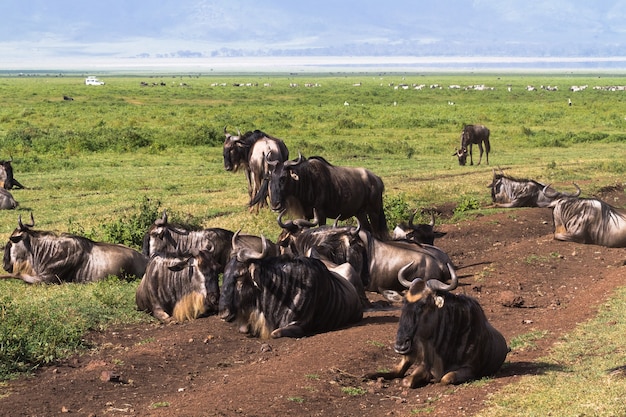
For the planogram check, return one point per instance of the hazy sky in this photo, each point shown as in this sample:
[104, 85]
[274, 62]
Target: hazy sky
[39, 30]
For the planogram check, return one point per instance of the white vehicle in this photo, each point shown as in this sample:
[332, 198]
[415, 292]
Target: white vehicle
[91, 80]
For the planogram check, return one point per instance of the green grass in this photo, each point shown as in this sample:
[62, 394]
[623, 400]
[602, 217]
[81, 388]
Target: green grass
[106, 163]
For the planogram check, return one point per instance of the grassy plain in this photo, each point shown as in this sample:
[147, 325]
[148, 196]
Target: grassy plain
[91, 162]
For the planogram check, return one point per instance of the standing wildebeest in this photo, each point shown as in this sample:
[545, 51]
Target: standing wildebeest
[179, 288]
[251, 151]
[166, 238]
[7, 202]
[334, 192]
[419, 233]
[7, 181]
[285, 296]
[447, 336]
[588, 220]
[511, 192]
[39, 256]
[473, 135]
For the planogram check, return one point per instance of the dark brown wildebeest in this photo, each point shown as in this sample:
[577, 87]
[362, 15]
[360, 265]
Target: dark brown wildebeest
[179, 288]
[302, 185]
[473, 135]
[588, 220]
[251, 151]
[447, 336]
[511, 192]
[285, 296]
[419, 233]
[7, 181]
[39, 256]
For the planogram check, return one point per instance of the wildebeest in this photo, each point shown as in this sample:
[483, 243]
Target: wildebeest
[7, 202]
[334, 192]
[7, 181]
[166, 238]
[285, 296]
[588, 220]
[68, 98]
[251, 151]
[446, 335]
[40, 256]
[473, 135]
[511, 192]
[181, 287]
[420, 233]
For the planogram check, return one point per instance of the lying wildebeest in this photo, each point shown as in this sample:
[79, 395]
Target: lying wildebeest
[285, 296]
[179, 288]
[508, 192]
[166, 238]
[40, 256]
[303, 185]
[446, 335]
[473, 135]
[7, 181]
[419, 233]
[7, 202]
[588, 220]
[251, 151]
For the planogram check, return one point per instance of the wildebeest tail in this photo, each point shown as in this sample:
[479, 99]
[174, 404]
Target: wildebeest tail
[261, 195]
[190, 307]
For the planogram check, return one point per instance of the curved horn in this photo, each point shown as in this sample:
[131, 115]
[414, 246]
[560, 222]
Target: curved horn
[358, 228]
[248, 254]
[549, 194]
[401, 279]
[577, 193]
[306, 223]
[163, 220]
[294, 163]
[289, 225]
[434, 284]
[270, 162]
[432, 219]
[411, 217]
[23, 226]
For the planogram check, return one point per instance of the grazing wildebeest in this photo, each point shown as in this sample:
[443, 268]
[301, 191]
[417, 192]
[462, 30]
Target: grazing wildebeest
[7, 181]
[588, 220]
[473, 135]
[285, 296]
[40, 256]
[181, 287]
[68, 98]
[166, 238]
[334, 192]
[7, 202]
[251, 151]
[511, 192]
[446, 335]
[419, 233]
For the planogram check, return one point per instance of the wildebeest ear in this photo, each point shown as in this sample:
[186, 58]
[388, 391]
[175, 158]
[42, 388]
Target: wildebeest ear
[392, 296]
[294, 175]
[416, 292]
[178, 266]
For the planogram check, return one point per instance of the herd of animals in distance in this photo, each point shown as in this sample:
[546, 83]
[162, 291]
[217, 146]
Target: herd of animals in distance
[315, 277]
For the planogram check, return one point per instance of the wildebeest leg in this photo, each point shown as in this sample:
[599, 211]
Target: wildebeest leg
[480, 148]
[397, 372]
[458, 376]
[420, 376]
[290, 330]
[470, 152]
[161, 315]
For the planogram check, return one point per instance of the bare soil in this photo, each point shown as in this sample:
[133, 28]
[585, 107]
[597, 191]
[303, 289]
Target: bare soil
[525, 280]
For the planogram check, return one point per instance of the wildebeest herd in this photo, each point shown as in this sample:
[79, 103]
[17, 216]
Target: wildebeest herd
[314, 277]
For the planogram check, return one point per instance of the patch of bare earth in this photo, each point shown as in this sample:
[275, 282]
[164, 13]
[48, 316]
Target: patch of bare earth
[526, 282]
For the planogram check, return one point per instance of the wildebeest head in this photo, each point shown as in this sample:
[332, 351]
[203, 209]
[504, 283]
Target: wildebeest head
[159, 237]
[283, 181]
[18, 251]
[235, 152]
[420, 299]
[461, 154]
[291, 229]
[419, 233]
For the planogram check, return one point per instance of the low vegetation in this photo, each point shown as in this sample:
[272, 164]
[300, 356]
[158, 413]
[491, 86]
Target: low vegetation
[106, 164]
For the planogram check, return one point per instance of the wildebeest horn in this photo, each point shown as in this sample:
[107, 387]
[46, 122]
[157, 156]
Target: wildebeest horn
[432, 218]
[289, 225]
[23, 226]
[294, 163]
[434, 284]
[358, 228]
[577, 193]
[247, 254]
[405, 282]
[163, 220]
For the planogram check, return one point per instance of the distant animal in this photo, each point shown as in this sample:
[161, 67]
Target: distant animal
[473, 135]
[180, 287]
[420, 233]
[508, 192]
[285, 296]
[7, 202]
[165, 238]
[68, 98]
[7, 180]
[588, 220]
[447, 336]
[251, 151]
[44, 257]
[335, 192]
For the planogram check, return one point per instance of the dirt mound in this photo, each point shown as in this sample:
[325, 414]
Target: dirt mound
[524, 279]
